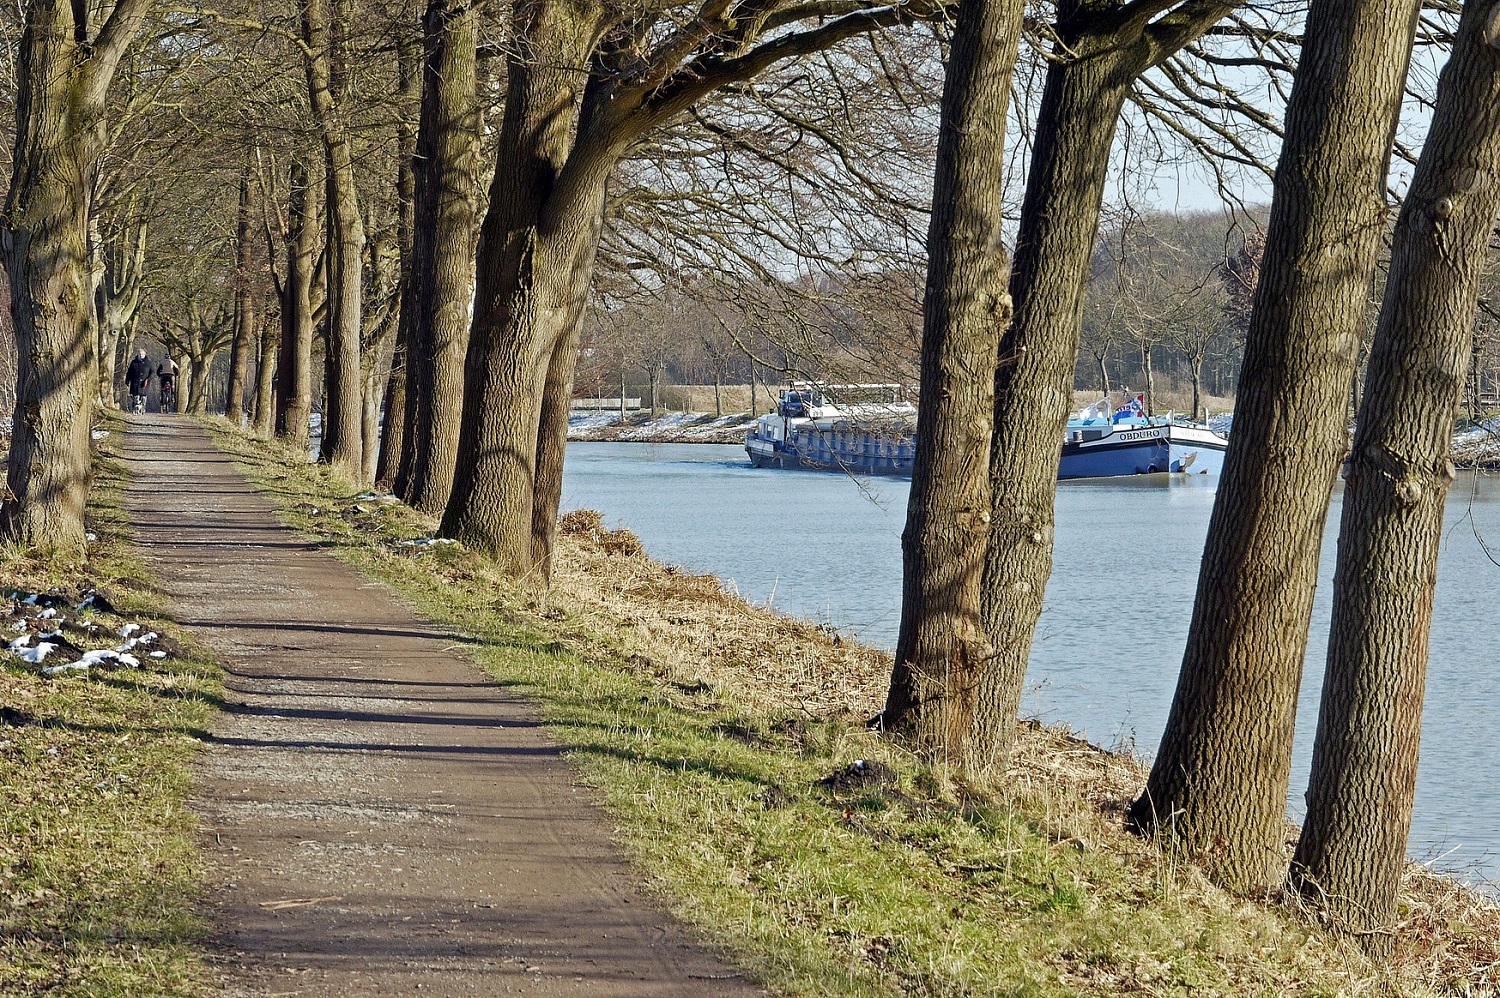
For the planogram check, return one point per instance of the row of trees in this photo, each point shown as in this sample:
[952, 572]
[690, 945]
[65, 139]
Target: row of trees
[999, 348]
[437, 191]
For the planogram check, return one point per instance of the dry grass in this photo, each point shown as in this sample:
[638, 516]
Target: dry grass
[691, 631]
[722, 738]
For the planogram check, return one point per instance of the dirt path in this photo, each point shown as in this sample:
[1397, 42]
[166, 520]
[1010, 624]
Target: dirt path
[379, 818]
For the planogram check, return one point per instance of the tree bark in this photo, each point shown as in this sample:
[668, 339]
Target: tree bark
[343, 438]
[1219, 783]
[120, 299]
[1364, 772]
[409, 68]
[244, 312]
[942, 647]
[442, 278]
[535, 260]
[264, 419]
[64, 70]
[294, 362]
[1101, 52]
[378, 347]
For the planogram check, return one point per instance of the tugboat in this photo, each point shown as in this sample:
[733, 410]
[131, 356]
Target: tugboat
[860, 429]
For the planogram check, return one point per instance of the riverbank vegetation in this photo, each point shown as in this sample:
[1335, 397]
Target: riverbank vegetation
[99, 871]
[731, 747]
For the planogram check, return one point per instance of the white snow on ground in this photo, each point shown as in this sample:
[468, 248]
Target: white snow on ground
[1478, 443]
[670, 427]
[21, 646]
[38, 654]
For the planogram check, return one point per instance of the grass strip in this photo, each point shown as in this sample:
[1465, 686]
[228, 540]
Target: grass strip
[99, 874]
[728, 746]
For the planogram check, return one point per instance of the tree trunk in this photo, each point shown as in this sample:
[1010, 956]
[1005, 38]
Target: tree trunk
[443, 254]
[1196, 363]
[63, 72]
[196, 389]
[1219, 783]
[378, 348]
[1150, 373]
[265, 378]
[718, 395]
[1103, 378]
[343, 439]
[942, 647]
[1099, 57]
[294, 362]
[535, 261]
[496, 478]
[244, 312]
[120, 294]
[552, 442]
[1364, 773]
[409, 63]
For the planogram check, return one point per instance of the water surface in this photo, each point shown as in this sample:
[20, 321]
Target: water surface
[828, 547]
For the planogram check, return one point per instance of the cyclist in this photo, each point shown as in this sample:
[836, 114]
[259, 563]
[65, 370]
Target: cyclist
[137, 377]
[166, 373]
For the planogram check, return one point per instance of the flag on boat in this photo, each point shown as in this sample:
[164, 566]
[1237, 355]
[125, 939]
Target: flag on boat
[1134, 408]
[1099, 410]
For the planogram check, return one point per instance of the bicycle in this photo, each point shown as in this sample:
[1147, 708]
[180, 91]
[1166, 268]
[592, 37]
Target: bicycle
[169, 397]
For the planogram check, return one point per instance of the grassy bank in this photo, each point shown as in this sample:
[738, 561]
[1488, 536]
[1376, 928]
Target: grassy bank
[98, 872]
[729, 745]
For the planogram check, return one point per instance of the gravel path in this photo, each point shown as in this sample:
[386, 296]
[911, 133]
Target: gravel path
[378, 817]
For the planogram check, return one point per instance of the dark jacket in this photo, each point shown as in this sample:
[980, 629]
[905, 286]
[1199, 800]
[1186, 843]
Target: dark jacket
[138, 375]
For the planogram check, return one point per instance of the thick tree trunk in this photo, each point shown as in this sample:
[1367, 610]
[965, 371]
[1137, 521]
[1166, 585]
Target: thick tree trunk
[244, 313]
[1219, 783]
[1081, 105]
[942, 647]
[1101, 53]
[443, 255]
[343, 438]
[535, 262]
[294, 362]
[196, 389]
[63, 70]
[1364, 774]
[494, 506]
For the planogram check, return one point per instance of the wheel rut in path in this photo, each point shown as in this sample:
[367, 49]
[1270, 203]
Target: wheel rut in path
[379, 818]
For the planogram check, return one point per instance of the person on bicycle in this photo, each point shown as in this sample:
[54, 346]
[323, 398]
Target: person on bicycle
[137, 377]
[166, 373]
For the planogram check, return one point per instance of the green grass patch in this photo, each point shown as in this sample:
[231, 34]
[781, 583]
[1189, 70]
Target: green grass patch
[824, 859]
[99, 874]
